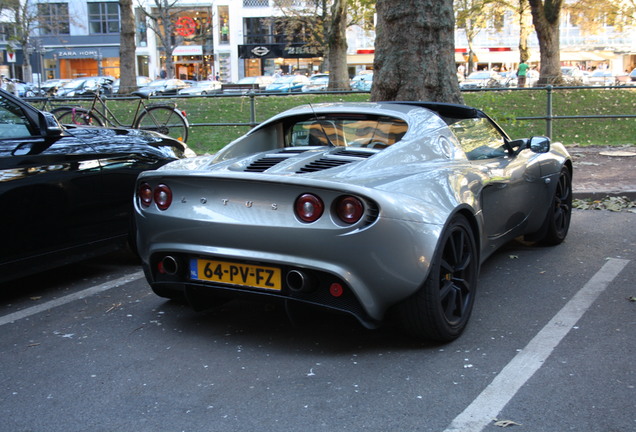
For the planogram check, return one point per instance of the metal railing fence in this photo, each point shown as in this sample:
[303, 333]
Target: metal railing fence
[209, 112]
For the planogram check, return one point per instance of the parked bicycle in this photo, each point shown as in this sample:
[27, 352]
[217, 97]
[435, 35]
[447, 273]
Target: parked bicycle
[160, 117]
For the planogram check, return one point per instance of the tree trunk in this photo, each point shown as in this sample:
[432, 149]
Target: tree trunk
[415, 51]
[545, 17]
[337, 42]
[524, 31]
[128, 75]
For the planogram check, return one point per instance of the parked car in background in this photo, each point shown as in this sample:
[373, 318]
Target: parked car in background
[27, 90]
[202, 88]
[252, 83]
[141, 82]
[378, 210]
[572, 75]
[362, 82]
[482, 79]
[602, 77]
[163, 87]
[66, 192]
[318, 82]
[49, 87]
[287, 84]
[87, 86]
[632, 75]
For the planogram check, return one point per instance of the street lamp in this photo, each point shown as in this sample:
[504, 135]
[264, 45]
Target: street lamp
[99, 58]
[38, 49]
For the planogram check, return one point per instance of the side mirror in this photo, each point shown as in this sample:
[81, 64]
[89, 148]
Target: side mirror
[539, 144]
[49, 125]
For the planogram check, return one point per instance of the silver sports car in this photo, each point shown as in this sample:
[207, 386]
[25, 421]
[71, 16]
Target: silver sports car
[365, 208]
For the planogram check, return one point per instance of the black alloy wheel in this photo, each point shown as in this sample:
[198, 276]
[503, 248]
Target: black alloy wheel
[440, 310]
[560, 212]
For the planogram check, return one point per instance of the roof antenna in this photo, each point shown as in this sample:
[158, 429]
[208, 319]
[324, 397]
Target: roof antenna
[324, 132]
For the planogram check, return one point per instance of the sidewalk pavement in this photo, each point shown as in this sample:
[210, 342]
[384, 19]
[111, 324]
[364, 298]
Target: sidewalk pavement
[604, 171]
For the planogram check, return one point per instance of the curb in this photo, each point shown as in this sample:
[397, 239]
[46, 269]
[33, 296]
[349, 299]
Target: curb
[598, 194]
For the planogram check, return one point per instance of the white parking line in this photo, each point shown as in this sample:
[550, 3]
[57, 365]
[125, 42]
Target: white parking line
[507, 383]
[7, 319]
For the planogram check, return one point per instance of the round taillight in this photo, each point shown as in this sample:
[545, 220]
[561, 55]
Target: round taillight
[145, 194]
[163, 196]
[309, 208]
[349, 209]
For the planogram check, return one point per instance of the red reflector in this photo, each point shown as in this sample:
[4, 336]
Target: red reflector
[336, 289]
[163, 196]
[309, 208]
[145, 194]
[160, 267]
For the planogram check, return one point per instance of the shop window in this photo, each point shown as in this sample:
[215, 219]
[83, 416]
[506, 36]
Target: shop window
[224, 25]
[103, 18]
[53, 18]
[141, 29]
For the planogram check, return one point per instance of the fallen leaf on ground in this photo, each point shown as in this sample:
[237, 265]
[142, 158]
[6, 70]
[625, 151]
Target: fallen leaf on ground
[506, 423]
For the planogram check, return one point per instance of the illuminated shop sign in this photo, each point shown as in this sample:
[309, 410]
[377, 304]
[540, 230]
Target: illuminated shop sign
[279, 50]
[77, 53]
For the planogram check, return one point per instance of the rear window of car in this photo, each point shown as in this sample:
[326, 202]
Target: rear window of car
[347, 131]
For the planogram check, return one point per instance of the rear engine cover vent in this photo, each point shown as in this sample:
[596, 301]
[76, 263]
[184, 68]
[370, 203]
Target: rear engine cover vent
[322, 164]
[354, 153]
[263, 164]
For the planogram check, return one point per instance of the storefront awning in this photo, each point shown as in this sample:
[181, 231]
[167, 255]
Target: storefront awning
[360, 59]
[585, 56]
[188, 50]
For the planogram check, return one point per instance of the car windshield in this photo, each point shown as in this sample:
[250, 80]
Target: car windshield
[346, 131]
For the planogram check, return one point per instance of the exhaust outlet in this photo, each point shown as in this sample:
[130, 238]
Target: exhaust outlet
[170, 265]
[299, 281]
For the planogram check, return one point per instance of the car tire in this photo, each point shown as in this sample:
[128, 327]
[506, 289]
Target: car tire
[557, 222]
[439, 311]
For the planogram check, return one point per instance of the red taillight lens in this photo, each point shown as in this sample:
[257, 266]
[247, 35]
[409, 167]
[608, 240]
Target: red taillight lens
[349, 209]
[309, 208]
[163, 196]
[145, 194]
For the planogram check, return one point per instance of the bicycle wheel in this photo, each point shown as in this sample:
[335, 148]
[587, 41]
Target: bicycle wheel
[166, 120]
[76, 116]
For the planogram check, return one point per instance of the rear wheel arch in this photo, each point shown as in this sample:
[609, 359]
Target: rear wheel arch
[442, 306]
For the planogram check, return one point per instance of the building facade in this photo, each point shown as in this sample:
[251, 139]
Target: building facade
[232, 39]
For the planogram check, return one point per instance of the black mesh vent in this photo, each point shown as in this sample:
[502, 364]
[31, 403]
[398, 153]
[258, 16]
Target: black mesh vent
[293, 150]
[265, 163]
[322, 164]
[354, 153]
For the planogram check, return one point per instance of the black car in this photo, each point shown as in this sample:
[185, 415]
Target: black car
[66, 192]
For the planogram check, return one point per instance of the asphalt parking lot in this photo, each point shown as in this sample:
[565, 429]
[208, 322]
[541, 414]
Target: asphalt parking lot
[549, 348]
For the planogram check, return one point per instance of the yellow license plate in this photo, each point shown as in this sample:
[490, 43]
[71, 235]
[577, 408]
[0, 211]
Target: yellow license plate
[236, 274]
